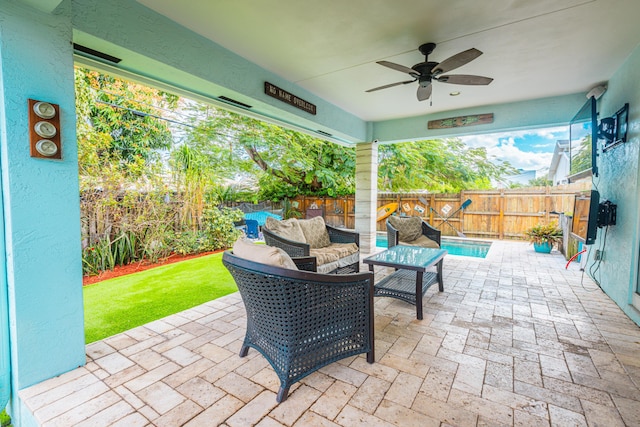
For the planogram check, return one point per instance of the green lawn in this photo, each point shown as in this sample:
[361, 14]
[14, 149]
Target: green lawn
[122, 303]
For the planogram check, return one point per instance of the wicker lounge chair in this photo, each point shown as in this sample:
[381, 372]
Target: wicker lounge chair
[339, 254]
[301, 321]
[416, 233]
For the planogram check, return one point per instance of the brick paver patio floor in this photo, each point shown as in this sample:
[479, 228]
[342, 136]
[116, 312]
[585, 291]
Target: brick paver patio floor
[514, 340]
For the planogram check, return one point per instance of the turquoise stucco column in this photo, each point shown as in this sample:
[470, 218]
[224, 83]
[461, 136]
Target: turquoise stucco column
[366, 194]
[40, 202]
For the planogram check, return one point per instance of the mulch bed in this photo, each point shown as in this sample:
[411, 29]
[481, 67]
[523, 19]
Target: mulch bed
[139, 266]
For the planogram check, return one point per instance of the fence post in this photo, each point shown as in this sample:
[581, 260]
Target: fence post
[462, 200]
[501, 217]
[345, 214]
[432, 199]
[547, 203]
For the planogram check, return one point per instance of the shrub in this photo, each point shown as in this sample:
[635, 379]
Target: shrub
[542, 233]
[218, 226]
[189, 242]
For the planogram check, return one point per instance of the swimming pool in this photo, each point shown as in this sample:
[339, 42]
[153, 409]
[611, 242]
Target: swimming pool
[472, 248]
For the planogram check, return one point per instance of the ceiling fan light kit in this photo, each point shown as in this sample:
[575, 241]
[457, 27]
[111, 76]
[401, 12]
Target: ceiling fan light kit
[428, 71]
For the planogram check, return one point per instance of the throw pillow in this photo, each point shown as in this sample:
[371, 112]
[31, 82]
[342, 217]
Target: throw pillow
[315, 232]
[287, 228]
[263, 254]
[409, 228]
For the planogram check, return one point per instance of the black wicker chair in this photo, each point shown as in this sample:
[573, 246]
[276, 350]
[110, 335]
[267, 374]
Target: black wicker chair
[300, 249]
[427, 230]
[301, 321]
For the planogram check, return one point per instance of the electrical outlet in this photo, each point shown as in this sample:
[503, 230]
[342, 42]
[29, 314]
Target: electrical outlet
[599, 255]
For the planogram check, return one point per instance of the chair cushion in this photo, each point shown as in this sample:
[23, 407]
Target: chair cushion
[333, 252]
[263, 254]
[409, 228]
[422, 241]
[287, 228]
[323, 257]
[315, 232]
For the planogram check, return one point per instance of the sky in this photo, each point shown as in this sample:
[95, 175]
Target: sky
[528, 150]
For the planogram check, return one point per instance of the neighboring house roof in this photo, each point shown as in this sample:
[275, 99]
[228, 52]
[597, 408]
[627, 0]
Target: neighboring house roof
[562, 147]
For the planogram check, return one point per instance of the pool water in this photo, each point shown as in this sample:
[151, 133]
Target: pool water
[472, 248]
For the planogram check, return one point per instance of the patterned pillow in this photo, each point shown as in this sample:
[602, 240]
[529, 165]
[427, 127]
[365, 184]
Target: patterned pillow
[263, 254]
[288, 229]
[409, 228]
[315, 232]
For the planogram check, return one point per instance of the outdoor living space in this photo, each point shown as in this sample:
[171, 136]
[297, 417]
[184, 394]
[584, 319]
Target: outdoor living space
[515, 339]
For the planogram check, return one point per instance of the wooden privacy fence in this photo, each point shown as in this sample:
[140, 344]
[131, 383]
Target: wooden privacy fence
[496, 214]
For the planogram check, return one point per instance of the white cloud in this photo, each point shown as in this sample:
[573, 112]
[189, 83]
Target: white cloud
[528, 150]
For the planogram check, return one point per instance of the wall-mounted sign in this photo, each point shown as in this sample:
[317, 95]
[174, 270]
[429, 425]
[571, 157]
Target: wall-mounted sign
[456, 122]
[289, 98]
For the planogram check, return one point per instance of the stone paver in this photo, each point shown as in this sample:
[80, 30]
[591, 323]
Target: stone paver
[515, 339]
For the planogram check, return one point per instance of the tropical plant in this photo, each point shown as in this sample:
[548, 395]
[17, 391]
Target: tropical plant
[192, 178]
[288, 211]
[543, 233]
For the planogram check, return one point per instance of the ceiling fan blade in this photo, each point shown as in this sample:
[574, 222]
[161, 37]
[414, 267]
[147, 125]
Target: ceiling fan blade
[464, 79]
[390, 85]
[424, 92]
[398, 67]
[457, 60]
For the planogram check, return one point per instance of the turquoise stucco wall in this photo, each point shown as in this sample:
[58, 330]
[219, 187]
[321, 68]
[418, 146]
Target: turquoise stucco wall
[40, 201]
[618, 181]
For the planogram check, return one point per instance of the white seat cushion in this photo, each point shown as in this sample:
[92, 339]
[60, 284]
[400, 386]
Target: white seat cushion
[263, 254]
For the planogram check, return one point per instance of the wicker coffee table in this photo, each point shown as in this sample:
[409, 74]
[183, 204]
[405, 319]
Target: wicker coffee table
[411, 279]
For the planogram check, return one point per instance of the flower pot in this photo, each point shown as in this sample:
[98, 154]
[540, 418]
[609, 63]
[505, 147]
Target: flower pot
[544, 247]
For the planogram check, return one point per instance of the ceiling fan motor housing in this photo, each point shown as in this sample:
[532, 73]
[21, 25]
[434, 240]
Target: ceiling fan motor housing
[424, 68]
[424, 81]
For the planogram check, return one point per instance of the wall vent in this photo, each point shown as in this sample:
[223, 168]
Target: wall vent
[95, 53]
[234, 102]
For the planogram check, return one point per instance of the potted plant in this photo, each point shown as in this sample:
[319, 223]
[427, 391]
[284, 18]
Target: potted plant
[544, 236]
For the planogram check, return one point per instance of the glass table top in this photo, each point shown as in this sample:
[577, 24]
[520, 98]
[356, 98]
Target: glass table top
[407, 256]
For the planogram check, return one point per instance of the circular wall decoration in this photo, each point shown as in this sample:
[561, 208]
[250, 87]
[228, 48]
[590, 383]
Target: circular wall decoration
[45, 129]
[46, 147]
[44, 110]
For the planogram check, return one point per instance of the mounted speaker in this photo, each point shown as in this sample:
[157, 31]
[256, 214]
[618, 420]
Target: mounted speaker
[597, 91]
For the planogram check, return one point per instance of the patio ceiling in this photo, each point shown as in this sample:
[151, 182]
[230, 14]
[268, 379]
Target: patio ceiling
[532, 49]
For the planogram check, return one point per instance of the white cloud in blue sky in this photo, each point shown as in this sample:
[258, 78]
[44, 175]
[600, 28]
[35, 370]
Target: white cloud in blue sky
[529, 149]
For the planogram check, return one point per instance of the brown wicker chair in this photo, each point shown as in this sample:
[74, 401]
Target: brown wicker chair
[393, 237]
[300, 249]
[301, 321]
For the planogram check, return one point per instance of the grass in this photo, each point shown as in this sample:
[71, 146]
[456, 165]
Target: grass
[122, 303]
[5, 419]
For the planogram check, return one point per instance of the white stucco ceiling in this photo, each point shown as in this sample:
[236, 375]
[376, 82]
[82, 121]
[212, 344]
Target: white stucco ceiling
[532, 49]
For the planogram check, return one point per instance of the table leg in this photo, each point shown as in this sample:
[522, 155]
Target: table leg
[440, 281]
[419, 295]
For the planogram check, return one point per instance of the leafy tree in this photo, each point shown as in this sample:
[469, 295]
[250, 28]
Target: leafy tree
[582, 159]
[540, 182]
[287, 163]
[444, 166]
[118, 125]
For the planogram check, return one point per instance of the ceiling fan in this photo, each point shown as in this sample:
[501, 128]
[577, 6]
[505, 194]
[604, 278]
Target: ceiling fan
[428, 71]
